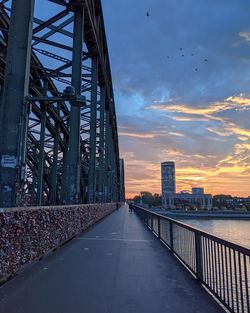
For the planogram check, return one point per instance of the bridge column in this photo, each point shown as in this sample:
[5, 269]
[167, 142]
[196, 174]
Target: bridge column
[63, 194]
[101, 146]
[107, 157]
[53, 190]
[73, 169]
[14, 113]
[93, 118]
[112, 182]
[39, 197]
[105, 163]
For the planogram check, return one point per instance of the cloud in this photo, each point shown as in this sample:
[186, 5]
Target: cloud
[245, 36]
[134, 135]
[176, 134]
[242, 100]
[231, 103]
[188, 119]
[237, 130]
[182, 108]
[219, 132]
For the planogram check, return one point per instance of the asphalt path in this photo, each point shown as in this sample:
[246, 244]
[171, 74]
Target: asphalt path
[118, 266]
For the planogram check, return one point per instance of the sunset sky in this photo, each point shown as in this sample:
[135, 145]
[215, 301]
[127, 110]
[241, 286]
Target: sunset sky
[182, 87]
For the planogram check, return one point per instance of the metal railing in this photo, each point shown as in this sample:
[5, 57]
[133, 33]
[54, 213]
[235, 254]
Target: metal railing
[221, 266]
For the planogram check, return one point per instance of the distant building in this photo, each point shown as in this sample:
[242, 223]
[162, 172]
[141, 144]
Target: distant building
[167, 183]
[228, 202]
[195, 200]
[197, 191]
[171, 200]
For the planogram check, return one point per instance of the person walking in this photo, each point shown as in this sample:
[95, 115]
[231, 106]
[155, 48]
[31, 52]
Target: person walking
[130, 207]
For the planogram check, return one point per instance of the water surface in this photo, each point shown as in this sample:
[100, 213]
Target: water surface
[237, 231]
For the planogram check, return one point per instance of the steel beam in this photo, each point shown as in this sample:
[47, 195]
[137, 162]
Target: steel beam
[41, 158]
[73, 140]
[101, 145]
[64, 174]
[73, 179]
[13, 123]
[112, 180]
[54, 170]
[93, 118]
[108, 157]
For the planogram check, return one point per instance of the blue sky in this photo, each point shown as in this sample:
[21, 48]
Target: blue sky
[181, 79]
[182, 87]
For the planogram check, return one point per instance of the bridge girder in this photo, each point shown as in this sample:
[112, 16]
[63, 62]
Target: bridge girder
[65, 148]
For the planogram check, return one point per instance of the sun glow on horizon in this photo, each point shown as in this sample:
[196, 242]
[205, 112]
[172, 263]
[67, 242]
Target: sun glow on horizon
[213, 153]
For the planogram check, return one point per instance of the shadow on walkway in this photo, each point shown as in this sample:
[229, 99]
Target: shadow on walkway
[118, 266]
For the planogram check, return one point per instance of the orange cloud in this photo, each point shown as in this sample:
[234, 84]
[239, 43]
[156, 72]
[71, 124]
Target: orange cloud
[216, 171]
[134, 135]
[234, 102]
[182, 108]
[229, 176]
[237, 130]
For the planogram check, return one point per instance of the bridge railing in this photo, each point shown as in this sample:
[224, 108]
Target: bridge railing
[221, 266]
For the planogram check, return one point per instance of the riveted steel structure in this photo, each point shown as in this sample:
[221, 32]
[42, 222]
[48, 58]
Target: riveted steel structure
[58, 130]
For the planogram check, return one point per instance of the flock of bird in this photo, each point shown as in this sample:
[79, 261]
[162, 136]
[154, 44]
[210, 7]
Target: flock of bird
[192, 55]
[183, 55]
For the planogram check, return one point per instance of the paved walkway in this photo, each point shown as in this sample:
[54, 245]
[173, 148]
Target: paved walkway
[118, 266]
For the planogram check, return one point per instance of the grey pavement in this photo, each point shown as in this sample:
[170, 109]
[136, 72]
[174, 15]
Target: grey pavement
[118, 266]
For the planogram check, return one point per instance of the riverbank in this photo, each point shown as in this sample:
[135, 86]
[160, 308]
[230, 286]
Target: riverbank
[180, 214]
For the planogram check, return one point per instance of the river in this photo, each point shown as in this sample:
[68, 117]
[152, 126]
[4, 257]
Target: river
[237, 231]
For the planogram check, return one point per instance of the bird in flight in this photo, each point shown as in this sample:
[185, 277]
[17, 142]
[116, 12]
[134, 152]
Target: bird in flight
[147, 14]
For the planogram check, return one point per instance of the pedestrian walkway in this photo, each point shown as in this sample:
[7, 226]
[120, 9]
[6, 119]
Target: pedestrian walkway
[118, 266]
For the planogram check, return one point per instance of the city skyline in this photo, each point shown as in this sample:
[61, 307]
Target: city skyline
[182, 89]
[189, 188]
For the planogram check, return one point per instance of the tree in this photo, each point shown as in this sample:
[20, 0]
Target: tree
[147, 197]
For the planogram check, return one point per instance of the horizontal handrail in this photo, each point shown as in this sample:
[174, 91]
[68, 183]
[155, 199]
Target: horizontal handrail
[229, 212]
[222, 266]
[202, 232]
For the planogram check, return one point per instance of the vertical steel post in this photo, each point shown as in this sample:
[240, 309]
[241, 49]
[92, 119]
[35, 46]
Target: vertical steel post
[101, 146]
[114, 172]
[113, 186]
[39, 197]
[108, 158]
[159, 227]
[105, 163]
[171, 235]
[63, 194]
[14, 115]
[116, 183]
[198, 256]
[122, 182]
[117, 176]
[53, 189]
[93, 117]
[34, 186]
[73, 177]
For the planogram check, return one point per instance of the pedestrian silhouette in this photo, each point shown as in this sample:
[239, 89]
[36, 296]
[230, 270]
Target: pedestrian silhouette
[130, 207]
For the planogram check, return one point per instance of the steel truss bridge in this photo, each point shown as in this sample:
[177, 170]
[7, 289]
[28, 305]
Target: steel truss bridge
[58, 129]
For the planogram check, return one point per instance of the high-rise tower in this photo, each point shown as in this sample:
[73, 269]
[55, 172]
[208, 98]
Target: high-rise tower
[168, 183]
